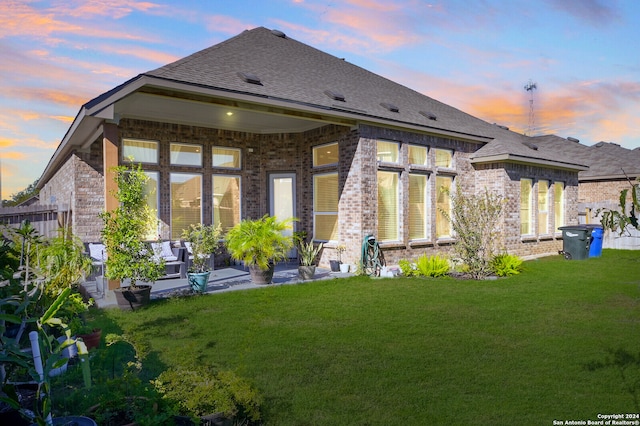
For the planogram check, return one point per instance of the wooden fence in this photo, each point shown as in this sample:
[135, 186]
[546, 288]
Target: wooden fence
[46, 219]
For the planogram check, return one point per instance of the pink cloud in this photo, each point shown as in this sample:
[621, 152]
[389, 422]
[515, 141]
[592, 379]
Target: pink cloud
[140, 52]
[112, 8]
[226, 24]
[19, 19]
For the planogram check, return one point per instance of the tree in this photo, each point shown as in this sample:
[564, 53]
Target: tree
[475, 220]
[22, 196]
[620, 220]
[125, 228]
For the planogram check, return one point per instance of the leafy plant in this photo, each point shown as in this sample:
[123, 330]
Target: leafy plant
[204, 240]
[199, 391]
[506, 265]
[259, 242]
[407, 268]
[620, 220]
[308, 252]
[475, 219]
[63, 262]
[431, 266]
[125, 228]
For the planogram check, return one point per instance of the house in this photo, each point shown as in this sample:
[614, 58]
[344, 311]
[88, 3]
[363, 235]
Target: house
[262, 123]
[612, 168]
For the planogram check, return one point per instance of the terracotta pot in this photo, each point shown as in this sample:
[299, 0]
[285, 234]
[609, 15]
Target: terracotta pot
[132, 298]
[91, 340]
[261, 276]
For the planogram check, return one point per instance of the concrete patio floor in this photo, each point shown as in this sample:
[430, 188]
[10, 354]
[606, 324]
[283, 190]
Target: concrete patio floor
[221, 280]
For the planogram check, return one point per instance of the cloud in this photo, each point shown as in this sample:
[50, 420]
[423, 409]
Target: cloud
[153, 55]
[116, 9]
[18, 18]
[226, 24]
[595, 12]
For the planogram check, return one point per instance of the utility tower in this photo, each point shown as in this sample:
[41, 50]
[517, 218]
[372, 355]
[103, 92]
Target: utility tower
[531, 87]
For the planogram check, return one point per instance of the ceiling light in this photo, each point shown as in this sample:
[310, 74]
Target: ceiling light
[229, 113]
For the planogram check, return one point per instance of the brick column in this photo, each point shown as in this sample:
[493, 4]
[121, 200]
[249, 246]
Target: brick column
[110, 160]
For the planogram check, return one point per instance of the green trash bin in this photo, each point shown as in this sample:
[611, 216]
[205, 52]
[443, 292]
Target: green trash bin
[575, 242]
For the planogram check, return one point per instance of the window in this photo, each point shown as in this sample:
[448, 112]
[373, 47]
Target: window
[526, 209]
[388, 206]
[558, 203]
[186, 202]
[186, 155]
[226, 200]
[388, 152]
[151, 195]
[226, 158]
[444, 158]
[140, 151]
[444, 186]
[543, 207]
[325, 207]
[418, 207]
[418, 155]
[324, 155]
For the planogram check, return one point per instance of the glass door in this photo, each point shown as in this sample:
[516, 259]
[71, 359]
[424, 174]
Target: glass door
[282, 199]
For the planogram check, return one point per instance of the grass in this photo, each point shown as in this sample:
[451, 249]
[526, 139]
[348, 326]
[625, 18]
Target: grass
[527, 349]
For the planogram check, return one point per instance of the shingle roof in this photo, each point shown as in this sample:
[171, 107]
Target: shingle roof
[605, 160]
[293, 71]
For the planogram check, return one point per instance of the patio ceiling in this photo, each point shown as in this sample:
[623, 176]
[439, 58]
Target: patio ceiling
[213, 113]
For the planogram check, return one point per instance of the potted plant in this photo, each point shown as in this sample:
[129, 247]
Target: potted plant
[123, 235]
[203, 241]
[260, 244]
[307, 254]
[341, 248]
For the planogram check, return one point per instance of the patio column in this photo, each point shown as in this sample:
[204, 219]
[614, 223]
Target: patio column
[109, 161]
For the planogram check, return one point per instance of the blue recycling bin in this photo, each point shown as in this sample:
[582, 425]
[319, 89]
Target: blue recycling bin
[595, 248]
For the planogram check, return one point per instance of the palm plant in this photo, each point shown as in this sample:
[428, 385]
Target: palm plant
[260, 243]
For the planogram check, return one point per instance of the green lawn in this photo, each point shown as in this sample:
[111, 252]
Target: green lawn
[363, 351]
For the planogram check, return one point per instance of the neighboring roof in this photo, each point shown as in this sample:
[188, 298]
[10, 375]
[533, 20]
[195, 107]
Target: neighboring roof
[519, 148]
[261, 67]
[606, 160]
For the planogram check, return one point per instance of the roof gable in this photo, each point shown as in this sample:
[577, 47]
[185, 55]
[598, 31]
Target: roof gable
[293, 71]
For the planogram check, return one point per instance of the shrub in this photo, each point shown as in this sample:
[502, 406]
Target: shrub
[199, 392]
[431, 266]
[475, 218]
[406, 267]
[505, 265]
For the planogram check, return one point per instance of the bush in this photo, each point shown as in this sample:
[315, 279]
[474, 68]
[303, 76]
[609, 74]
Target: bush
[406, 268]
[199, 392]
[432, 266]
[505, 265]
[476, 219]
[425, 266]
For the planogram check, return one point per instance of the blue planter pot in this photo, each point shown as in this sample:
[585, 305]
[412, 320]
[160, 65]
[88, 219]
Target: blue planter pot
[198, 281]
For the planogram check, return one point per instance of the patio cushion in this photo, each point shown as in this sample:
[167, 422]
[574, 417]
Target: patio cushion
[97, 252]
[163, 251]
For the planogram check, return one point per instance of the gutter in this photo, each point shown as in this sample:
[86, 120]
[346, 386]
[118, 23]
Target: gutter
[519, 159]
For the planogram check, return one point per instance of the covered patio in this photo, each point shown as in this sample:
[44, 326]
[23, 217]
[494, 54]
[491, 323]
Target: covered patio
[221, 280]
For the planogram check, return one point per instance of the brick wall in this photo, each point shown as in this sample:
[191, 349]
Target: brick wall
[82, 179]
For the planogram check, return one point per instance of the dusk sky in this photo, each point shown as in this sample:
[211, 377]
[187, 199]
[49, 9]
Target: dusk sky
[474, 55]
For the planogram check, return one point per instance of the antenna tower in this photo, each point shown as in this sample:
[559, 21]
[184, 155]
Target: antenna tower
[531, 87]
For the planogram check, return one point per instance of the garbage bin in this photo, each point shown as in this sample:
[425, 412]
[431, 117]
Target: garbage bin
[575, 242]
[595, 246]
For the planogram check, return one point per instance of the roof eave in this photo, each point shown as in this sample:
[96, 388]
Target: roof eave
[336, 111]
[518, 159]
